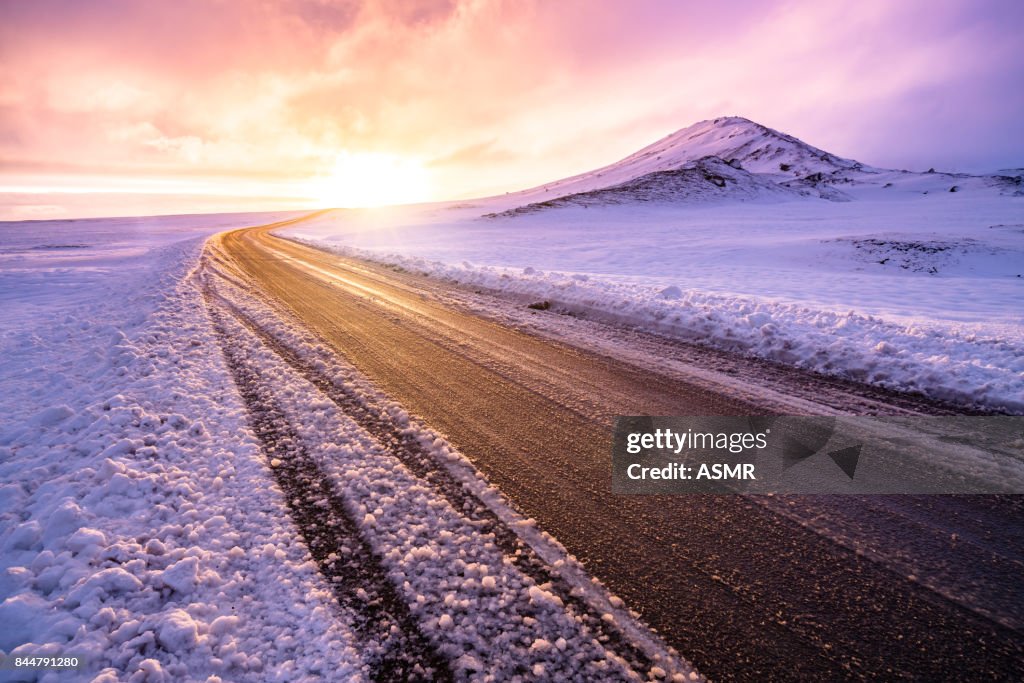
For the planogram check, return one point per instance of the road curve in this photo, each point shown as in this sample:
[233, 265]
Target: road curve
[742, 591]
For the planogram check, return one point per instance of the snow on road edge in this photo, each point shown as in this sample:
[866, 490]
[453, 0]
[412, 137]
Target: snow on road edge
[943, 364]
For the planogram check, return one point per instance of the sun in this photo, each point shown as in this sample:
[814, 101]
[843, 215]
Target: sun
[368, 179]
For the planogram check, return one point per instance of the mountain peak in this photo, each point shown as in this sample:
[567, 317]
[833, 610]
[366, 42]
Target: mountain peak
[731, 120]
[733, 139]
[756, 147]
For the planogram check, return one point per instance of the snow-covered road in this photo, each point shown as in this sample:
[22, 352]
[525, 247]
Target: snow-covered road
[181, 499]
[531, 412]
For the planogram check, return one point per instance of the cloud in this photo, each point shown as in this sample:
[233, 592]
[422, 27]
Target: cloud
[494, 94]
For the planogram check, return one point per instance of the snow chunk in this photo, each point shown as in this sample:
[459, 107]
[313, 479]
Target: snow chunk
[65, 519]
[24, 617]
[223, 625]
[539, 596]
[540, 645]
[177, 630]
[86, 539]
[105, 582]
[468, 662]
[24, 536]
[51, 416]
[151, 672]
[671, 293]
[182, 575]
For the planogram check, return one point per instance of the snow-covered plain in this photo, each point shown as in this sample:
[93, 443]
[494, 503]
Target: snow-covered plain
[886, 277]
[922, 295]
[136, 527]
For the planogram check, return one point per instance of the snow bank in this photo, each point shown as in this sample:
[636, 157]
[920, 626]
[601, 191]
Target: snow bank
[135, 509]
[966, 368]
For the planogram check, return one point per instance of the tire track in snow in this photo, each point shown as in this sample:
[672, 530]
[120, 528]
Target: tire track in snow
[394, 647]
[406, 446]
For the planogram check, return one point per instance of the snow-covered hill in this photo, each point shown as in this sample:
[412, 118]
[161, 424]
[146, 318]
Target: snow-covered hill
[708, 179]
[733, 158]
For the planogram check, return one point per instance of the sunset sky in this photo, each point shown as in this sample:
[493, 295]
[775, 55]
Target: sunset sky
[113, 107]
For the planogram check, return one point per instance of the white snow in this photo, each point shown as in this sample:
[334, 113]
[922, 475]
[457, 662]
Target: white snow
[134, 503]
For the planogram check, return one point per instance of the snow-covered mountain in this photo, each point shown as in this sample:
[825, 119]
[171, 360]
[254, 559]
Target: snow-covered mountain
[708, 179]
[733, 158]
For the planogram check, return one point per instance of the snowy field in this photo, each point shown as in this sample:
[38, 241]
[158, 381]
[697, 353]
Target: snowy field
[136, 526]
[51, 269]
[904, 289]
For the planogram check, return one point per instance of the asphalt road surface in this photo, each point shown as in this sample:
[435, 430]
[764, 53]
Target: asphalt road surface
[747, 588]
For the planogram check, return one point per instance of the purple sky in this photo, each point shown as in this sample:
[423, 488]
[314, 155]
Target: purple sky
[258, 99]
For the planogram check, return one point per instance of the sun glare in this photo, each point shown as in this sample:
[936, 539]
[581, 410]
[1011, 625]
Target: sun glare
[364, 179]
